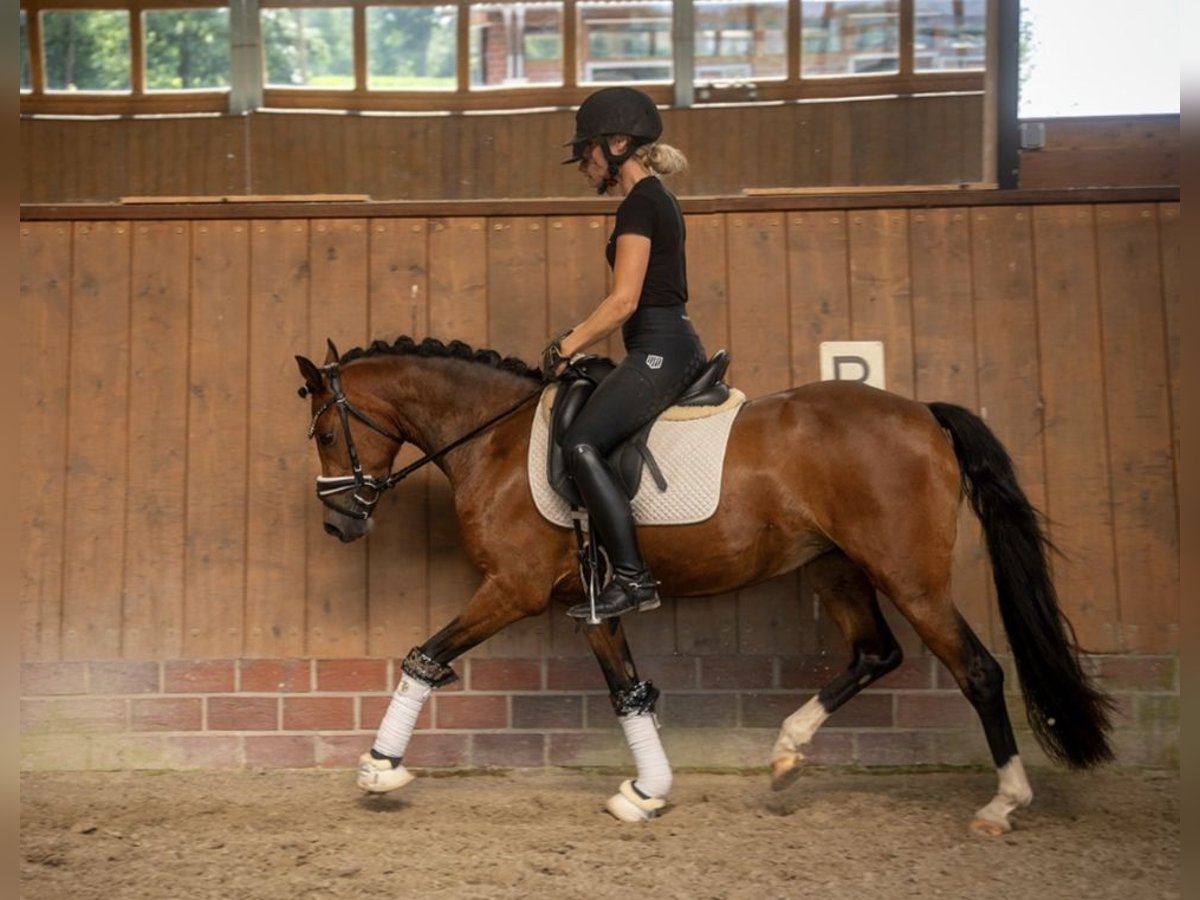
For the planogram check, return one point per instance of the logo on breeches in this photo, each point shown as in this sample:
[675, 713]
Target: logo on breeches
[654, 361]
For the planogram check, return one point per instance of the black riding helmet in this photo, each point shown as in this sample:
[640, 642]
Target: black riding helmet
[614, 110]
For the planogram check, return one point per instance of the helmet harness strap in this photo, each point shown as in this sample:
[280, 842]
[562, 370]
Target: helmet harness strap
[615, 161]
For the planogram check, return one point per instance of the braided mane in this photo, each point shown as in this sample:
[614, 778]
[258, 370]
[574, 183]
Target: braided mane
[432, 347]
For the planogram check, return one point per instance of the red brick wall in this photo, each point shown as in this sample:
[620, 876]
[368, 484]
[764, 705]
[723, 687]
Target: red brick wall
[716, 711]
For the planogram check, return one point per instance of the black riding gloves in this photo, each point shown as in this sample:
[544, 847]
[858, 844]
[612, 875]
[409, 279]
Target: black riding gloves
[552, 356]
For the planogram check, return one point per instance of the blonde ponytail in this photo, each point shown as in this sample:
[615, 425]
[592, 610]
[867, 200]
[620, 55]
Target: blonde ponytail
[661, 159]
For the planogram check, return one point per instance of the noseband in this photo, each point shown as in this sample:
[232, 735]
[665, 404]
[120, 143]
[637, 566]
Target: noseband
[359, 482]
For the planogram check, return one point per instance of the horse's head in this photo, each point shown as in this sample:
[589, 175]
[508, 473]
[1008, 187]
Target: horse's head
[355, 450]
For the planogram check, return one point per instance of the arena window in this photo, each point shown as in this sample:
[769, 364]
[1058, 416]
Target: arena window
[162, 56]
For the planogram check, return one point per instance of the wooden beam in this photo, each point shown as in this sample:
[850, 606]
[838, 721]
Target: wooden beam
[236, 208]
[1007, 70]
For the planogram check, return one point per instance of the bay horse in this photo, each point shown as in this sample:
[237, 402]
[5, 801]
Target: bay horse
[861, 485]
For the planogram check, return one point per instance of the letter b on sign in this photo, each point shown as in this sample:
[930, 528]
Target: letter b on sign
[853, 361]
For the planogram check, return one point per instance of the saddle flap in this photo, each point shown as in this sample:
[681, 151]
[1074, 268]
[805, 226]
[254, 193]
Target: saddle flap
[571, 393]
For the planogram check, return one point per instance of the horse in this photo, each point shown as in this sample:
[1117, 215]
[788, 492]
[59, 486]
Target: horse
[861, 485]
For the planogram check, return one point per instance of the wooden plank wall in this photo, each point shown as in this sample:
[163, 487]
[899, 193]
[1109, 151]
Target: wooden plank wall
[1105, 151]
[166, 490]
[910, 140]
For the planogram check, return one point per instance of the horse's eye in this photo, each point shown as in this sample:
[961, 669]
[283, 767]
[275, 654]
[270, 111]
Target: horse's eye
[327, 438]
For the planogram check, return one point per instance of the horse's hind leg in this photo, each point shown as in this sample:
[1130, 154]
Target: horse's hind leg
[849, 599]
[981, 680]
[633, 701]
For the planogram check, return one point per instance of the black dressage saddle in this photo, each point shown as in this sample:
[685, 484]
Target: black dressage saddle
[633, 456]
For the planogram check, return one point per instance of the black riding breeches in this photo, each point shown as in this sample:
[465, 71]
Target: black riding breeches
[664, 356]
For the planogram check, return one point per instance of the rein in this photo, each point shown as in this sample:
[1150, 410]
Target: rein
[328, 487]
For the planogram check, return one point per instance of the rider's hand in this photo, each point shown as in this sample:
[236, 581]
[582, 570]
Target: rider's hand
[553, 361]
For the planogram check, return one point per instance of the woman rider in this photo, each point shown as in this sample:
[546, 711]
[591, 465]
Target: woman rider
[615, 146]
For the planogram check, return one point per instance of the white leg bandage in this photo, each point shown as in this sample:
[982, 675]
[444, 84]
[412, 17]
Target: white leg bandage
[1013, 794]
[401, 717]
[653, 770]
[799, 728]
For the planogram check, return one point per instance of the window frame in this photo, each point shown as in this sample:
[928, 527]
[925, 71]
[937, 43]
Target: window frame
[570, 92]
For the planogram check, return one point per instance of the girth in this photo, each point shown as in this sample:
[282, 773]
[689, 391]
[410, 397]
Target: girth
[630, 458]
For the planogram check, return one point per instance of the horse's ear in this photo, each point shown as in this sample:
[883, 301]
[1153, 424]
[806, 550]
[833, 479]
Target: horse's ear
[314, 384]
[331, 355]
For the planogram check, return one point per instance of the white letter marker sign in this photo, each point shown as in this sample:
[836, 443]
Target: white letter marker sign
[853, 361]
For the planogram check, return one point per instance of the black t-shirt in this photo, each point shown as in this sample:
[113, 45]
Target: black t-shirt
[652, 211]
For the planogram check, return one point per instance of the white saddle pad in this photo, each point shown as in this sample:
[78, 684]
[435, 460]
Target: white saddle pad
[688, 444]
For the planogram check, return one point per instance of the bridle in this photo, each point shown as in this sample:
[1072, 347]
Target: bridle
[365, 489]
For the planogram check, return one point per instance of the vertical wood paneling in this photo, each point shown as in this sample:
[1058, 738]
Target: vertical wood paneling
[170, 484]
[215, 560]
[943, 315]
[337, 573]
[397, 570]
[880, 294]
[279, 490]
[575, 271]
[758, 303]
[708, 282]
[1169, 247]
[516, 271]
[97, 438]
[901, 140]
[458, 280]
[506, 138]
[1078, 488]
[458, 309]
[708, 624]
[944, 362]
[44, 355]
[838, 135]
[180, 156]
[158, 402]
[399, 279]
[1139, 426]
[819, 288]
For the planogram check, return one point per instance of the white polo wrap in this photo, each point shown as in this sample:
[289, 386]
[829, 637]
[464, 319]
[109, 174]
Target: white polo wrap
[653, 770]
[401, 717]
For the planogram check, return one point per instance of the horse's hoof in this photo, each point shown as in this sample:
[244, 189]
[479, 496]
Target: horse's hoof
[629, 806]
[622, 808]
[376, 776]
[784, 772]
[989, 827]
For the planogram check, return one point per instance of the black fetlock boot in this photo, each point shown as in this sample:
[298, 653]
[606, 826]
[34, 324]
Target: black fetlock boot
[632, 586]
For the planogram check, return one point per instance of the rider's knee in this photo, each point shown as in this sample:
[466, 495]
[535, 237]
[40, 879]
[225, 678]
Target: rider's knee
[579, 452]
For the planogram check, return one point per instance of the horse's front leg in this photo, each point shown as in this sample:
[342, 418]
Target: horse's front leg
[633, 701]
[493, 607]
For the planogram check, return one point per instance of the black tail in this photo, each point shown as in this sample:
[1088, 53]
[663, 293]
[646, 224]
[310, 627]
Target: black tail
[1069, 715]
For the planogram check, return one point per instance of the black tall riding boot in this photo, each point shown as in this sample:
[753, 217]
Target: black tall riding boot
[632, 586]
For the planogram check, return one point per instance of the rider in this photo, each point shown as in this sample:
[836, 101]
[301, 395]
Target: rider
[616, 147]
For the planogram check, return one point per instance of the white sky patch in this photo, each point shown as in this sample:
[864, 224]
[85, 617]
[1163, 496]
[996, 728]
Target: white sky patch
[1100, 57]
